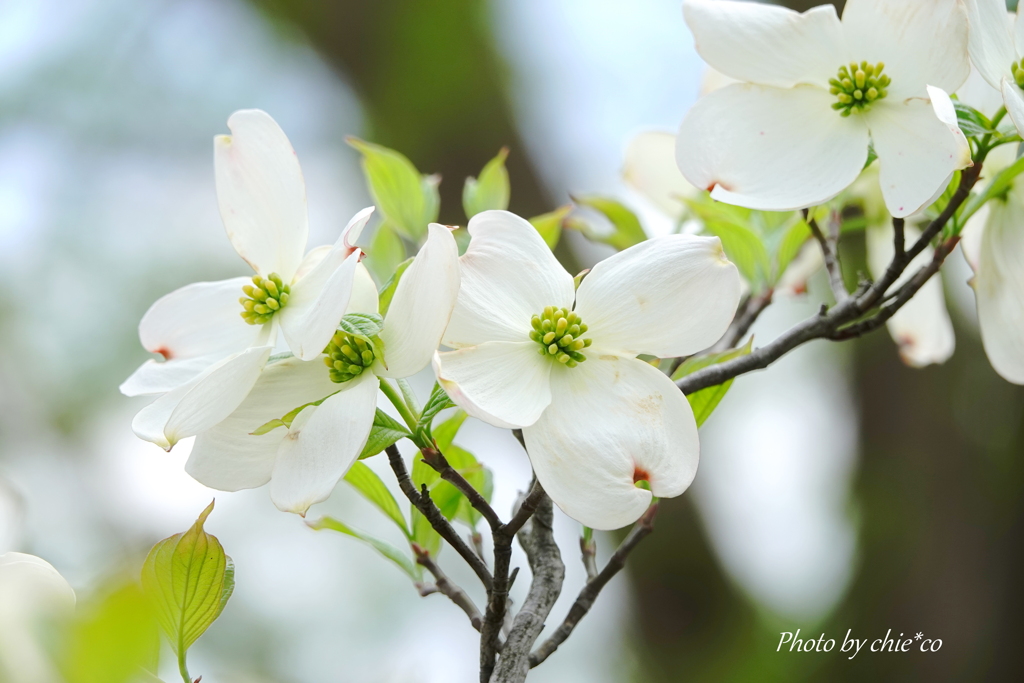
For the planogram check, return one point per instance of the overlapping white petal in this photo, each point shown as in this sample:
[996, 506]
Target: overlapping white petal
[202, 402]
[261, 193]
[613, 421]
[999, 286]
[422, 305]
[1013, 98]
[669, 296]
[770, 148]
[227, 456]
[322, 444]
[922, 328]
[766, 44]
[650, 167]
[508, 276]
[317, 303]
[992, 45]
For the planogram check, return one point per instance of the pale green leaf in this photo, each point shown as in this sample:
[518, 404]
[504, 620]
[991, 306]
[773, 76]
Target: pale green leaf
[549, 225]
[705, 401]
[387, 293]
[489, 191]
[383, 547]
[626, 229]
[790, 245]
[385, 253]
[445, 432]
[408, 200]
[744, 248]
[437, 402]
[385, 431]
[190, 578]
[362, 324]
[374, 490]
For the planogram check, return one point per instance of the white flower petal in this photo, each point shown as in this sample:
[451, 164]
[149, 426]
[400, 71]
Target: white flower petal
[922, 328]
[155, 377]
[227, 456]
[422, 305]
[991, 39]
[970, 236]
[651, 169]
[999, 287]
[508, 276]
[1018, 29]
[613, 421]
[318, 302]
[765, 44]
[771, 149]
[31, 587]
[977, 92]
[322, 444]
[261, 193]
[669, 296]
[365, 298]
[203, 402]
[921, 42]
[918, 151]
[506, 384]
[200, 319]
[1013, 98]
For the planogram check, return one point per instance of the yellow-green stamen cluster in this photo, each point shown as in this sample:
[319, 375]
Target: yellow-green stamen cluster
[1017, 69]
[347, 357]
[263, 298]
[559, 332]
[857, 86]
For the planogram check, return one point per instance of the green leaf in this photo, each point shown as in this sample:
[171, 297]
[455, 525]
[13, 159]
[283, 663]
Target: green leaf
[972, 122]
[190, 579]
[385, 253]
[385, 431]
[478, 476]
[408, 200]
[491, 190]
[111, 639]
[789, 247]
[445, 496]
[705, 401]
[373, 489]
[437, 402]
[744, 248]
[626, 228]
[383, 547]
[287, 419]
[549, 225]
[388, 292]
[364, 325]
[445, 432]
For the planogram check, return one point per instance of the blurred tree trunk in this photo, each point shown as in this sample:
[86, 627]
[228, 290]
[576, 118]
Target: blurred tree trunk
[431, 83]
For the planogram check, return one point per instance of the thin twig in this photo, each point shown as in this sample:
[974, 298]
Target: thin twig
[421, 501]
[831, 256]
[592, 589]
[442, 584]
[588, 553]
[899, 241]
[436, 460]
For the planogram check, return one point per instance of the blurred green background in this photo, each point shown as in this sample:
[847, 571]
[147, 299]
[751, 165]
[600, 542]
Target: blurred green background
[839, 490]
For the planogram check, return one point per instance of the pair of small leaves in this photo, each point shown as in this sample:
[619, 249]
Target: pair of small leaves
[705, 401]
[491, 190]
[625, 231]
[189, 579]
[408, 200]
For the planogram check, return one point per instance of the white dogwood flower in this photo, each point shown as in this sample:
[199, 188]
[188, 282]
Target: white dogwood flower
[304, 461]
[997, 48]
[215, 337]
[532, 352]
[815, 91]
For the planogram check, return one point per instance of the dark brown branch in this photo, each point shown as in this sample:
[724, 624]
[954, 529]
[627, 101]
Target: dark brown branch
[899, 241]
[828, 322]
[436, 460]
[421, 501]
[538, 541]
[592, 589]
[444, 585]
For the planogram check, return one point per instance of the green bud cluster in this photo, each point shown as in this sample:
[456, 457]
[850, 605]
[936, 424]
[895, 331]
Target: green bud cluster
[347, 356]
[1017, 69]
[856, 87]
[263, 298]
[559, 332]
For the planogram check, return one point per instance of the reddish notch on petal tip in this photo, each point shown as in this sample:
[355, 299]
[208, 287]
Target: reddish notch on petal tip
[640, 475]
[164, 351]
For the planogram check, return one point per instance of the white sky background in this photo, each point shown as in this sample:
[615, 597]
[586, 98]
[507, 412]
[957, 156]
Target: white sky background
[107, 201]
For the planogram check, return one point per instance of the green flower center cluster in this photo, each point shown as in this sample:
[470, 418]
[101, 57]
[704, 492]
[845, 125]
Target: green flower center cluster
[347, 356]
[263, 298]
[856, 87]
[1017, 69]
[559, 332]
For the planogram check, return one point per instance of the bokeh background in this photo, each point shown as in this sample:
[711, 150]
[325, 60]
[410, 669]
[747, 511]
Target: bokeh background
[838, 490]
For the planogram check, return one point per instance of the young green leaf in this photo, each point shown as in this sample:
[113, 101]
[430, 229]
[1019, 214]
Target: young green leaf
[385, 431]
[626, 228]
[744, 248]
[385, 252]
[437, 402]
[445, 432]
[479, 477]
[491, 190]
[189, 578]
[408, 200]
[549, 225]
[383, 547]
[374, 490]
[790, 245]
[705, 401]
[362, 324]
[387, 293]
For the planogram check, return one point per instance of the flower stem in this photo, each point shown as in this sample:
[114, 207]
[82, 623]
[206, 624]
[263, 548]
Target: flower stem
[411, 420]
[182, 668]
